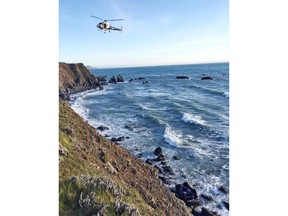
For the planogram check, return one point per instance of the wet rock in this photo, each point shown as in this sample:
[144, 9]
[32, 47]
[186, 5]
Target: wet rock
[158, 168]
[163, 163]
[144, 82]
[128, 127]
[223, 189]
[186, 193]
[206, 78]
[196, 212]
[175, 157]
[141, 78]
[120, 78]
[119, 139]
[183, 175]
[165, 180]
[195, 203]
[139, 155]
[101, 79]
[149, 161]
[168, 169]
[158, 151]
[206, 212]
[182, 77]
[160, 157]
[113, 80]
[226, 205]
[206, 197]
[113, 139]
[102, 128]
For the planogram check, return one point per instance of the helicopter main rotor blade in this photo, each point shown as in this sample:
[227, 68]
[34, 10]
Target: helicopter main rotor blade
[115, 19]
[96, 17]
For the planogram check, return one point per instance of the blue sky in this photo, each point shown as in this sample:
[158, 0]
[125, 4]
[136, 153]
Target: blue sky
[158, 32]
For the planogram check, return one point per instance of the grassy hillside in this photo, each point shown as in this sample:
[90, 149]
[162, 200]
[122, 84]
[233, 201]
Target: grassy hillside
[98, 176]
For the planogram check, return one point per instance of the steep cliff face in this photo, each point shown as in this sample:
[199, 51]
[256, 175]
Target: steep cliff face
[99, 177]
[96, 175]
[75, 77]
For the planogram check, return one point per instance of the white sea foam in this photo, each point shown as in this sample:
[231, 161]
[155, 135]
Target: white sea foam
[78, 107]
[226, 94]
[189, 118]
[146, 107]
[172, 137]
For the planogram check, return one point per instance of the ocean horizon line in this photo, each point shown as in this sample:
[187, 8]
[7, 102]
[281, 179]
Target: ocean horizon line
[141, 66]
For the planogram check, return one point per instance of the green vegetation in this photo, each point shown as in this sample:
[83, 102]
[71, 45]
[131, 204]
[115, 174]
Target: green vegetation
[84, 188]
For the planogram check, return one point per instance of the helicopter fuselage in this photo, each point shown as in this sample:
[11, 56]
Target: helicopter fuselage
[104, 26]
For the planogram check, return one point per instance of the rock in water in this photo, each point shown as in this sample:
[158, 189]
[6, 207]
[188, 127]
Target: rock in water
[206, 212]
[102, 128]
[223, 189]
[226, 205]
[120, 78]
[168, 169]
[160, 157]
[186, 193]
[113, 80]
[182, 77]
[206, 78]
[158, 151]
[149, 161]
[175, 157]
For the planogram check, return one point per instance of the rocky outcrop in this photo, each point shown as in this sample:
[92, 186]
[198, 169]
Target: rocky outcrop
[120, 78]
[186, 193]
[74, 78]
[206, 78]
[182, 77]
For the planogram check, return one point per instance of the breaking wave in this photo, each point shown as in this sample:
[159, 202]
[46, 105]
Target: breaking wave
[226, 94]
[193, 119]
[171, 137]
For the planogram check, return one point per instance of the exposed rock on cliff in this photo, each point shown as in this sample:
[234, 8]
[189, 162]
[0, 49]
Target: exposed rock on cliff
[74, 78]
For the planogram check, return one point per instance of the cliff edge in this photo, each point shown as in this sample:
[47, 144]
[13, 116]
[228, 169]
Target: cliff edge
[98, 177]
[74, 78]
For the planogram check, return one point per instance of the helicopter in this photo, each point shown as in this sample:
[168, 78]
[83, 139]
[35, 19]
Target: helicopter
[105, 26]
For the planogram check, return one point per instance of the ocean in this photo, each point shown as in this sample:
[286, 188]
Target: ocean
[187, 118]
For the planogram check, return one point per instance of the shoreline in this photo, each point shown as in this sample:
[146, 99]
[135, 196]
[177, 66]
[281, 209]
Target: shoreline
[163, 174]
[192, 200]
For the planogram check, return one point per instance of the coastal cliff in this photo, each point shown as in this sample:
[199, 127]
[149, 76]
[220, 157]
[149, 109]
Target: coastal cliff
[74, 78]
[97, 176]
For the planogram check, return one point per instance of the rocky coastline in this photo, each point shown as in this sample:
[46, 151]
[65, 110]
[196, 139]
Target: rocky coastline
[148, 179]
